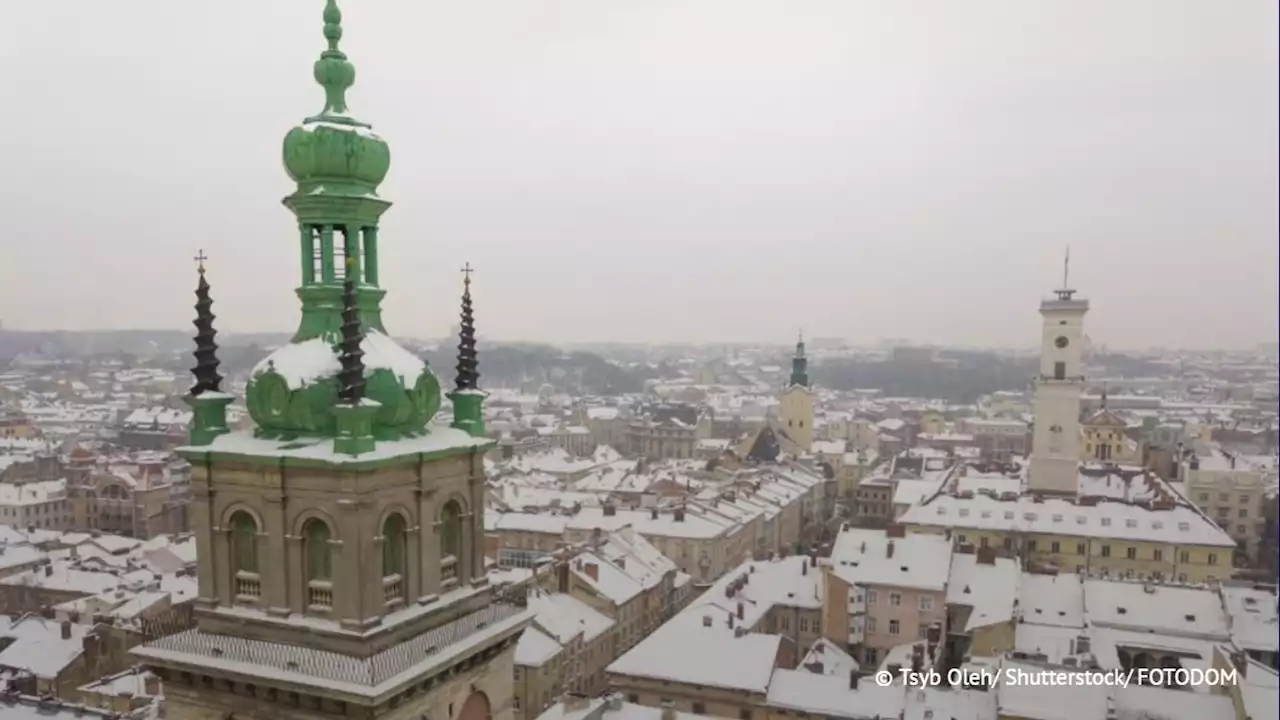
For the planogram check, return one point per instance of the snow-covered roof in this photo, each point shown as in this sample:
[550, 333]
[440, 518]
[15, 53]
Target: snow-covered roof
[1155, 607]
[867, 557]
[310, 360]
[1251, 613]
[685, 650]
[1051, 599]
[244, 443]
[990, 589]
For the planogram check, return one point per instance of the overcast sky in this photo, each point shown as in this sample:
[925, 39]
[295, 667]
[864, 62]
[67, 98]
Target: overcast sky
[663, 170]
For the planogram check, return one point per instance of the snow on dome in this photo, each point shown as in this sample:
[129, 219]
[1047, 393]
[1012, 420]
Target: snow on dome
[311, 360]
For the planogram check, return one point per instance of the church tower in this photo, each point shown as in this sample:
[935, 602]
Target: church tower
[796, 404]
[340, 542]
[1055, 449]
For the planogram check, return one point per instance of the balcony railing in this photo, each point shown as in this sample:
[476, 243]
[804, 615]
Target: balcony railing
[248, 587]
[392, 590]
[320, 596]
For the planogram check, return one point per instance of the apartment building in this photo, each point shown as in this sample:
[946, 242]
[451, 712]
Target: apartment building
[1231, 489]
[1123, 523]
[884, 589]
[36, 505]
[565, 650]
[717, 656]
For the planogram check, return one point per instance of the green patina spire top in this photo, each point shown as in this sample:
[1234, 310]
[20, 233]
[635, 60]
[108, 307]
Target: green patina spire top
[800, 365]
[305, 388]
[333, 70]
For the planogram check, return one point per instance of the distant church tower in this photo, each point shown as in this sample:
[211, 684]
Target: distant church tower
[797, 402]
[341, 541]
[1055, 450]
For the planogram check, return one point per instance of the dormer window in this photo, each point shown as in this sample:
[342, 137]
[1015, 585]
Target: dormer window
[1106, 522]
[1057, 518]
[1130, 522]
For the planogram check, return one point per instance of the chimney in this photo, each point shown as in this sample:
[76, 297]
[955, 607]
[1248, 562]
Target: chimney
[66, 629]
[813, 559]
[562, 576]
[592, 570]
[706, 621]
[151, 685]
[731, 621]
[740, 610]
[888, 550]
[853, 679]
[804, 569]
[621, 563]
[48, 570]
[895, 531]
[986, 556]
[933, 634]
[679, 514]
[653, 514]
[1083, 645]
[668, 710]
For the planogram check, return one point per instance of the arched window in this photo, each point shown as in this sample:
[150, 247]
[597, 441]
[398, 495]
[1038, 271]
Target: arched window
[244, 556]
[393, 558]
[450, 540]
[319, 564]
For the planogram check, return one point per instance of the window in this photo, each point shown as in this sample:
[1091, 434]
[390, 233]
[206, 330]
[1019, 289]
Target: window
[983, 541]
[1224, 497]
[1213, 559]
[895, 599]
[1055, 547]
[1244, 512]
[393, 558]
[1106, 522]
[1080, 548]
[1244, 499]
[1204, 497]
[895, 627]
[450, 540]
[244, 553]
[1106, 551]
[871, 625]
[699, 708]
[871, 597]
[633, 698]
[870, 655]
[962, 540]
[515, 702]
[1131, 553]
[1031, 546]
[1059, 371]
[315, 538]
[926, 603]
[1007, 543]
[744, 715]
[1184, 556]
[1157, 555]
[1242, 530]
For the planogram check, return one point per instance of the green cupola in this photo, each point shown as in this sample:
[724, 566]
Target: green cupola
[799, 366]
[337, 163]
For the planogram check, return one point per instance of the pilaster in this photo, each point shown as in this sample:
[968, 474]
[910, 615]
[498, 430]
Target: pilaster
[275, 572]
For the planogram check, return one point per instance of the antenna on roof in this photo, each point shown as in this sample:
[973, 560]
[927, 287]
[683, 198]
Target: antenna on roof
[1065, 292]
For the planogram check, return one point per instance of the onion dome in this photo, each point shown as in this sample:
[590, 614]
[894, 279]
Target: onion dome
[333, 152]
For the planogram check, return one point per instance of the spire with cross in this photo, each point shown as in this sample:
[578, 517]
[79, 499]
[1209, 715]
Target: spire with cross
[468, 365]
[206, 369]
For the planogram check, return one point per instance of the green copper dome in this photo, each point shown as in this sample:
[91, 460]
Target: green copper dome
[293, 391]
[333, 153]
[337, 163]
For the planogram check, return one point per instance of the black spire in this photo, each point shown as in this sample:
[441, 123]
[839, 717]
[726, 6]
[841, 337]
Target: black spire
[351, 377]
[206, 369]
[468, 367]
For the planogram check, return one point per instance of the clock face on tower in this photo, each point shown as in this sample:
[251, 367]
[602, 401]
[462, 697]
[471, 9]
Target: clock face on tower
[1061, 341]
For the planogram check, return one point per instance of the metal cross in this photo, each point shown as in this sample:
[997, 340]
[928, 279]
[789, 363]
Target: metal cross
[466, 273]
[200, 258]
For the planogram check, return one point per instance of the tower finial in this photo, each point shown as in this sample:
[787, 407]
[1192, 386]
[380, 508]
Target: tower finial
[1065, 292]
[206, 369]
[200, 258]
[468, 365]
[333, 71]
